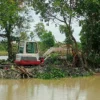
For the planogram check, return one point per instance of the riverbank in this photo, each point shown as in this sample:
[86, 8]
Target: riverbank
[51, 69]
[46, 72]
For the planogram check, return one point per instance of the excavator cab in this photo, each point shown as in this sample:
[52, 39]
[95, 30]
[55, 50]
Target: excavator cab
[28, 54]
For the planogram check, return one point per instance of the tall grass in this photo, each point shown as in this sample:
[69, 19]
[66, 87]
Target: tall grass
[3, 53]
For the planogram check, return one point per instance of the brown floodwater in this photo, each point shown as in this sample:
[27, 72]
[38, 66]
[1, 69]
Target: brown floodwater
[87, 88]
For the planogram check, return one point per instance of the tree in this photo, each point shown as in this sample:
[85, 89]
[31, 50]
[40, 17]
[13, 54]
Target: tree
[90, 33]
[46, 38]
[10, 21]
[62, 11]
[40, 29]
[57, 10]
[65, 11]
[24, 36]
[65, 30]
[8, 18]
[32, 36]
[68, 40]
[90, 25]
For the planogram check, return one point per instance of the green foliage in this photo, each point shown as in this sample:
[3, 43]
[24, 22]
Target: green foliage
[94, 58]
[15, 48]
[23, 36]
[51, 73]
[11, 21]
[69, 58]
[3, 45]
[62, 11]
[90, 33]
[8, 13]
[46, 38]
[13, 38]
[40, 29]
[54, 56]
[8, 20]
[2, 48]
[66, 31]
[50, 9]
[55, 59]
[32, 36]
[79, 46]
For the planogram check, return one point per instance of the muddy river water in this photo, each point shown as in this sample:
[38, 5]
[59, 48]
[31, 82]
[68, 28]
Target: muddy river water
[87, 88]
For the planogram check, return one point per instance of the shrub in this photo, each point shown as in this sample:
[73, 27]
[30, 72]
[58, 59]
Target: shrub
[51, 72]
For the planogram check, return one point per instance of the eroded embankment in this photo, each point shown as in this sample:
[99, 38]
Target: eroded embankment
[44, 72]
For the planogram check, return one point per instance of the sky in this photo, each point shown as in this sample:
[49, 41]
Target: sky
[55, 30]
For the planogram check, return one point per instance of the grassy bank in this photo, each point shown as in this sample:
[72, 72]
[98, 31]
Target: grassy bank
[52, 72]
[3, 53]
[46, 72]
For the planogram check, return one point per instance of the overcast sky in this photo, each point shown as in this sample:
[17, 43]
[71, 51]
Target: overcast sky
[55, 30]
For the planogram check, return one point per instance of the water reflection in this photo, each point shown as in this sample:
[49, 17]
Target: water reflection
[63, 89]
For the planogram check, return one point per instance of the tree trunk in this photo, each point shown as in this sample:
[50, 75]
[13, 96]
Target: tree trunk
[10, 57]
[9, 48]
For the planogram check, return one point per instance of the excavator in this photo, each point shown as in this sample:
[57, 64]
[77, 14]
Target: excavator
[28, 54]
